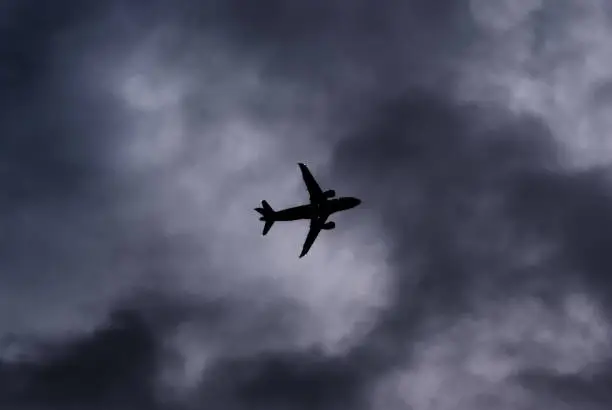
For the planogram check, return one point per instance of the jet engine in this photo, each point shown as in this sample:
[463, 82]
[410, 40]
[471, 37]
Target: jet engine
[329, 225]
[329, 193]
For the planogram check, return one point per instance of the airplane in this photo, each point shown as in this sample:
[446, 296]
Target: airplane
[321, 206]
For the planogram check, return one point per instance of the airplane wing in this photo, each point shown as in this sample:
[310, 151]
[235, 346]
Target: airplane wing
[314, 190]
[313, 232]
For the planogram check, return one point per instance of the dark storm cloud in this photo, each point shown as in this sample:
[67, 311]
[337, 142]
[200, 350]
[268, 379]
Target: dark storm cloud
[57, 126]
[57, 202]
[44, 150]
[447, 179]
[116, 367]
[574, 209]
[292, 380]
[440, 180]
[346, 47]
[588, 391]
[112, 367]
[429, 164]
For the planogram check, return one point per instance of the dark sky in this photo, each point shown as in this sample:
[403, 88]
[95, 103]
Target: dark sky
[137, 137]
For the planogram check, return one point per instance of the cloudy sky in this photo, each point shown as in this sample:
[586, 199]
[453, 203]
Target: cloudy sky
[137, 137]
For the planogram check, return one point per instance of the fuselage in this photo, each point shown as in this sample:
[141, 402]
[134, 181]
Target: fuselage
[322, 209]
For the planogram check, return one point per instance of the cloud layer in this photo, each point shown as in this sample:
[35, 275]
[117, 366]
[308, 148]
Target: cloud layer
[137, 138]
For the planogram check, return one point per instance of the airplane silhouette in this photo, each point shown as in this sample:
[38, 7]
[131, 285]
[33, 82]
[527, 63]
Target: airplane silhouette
[321, 206]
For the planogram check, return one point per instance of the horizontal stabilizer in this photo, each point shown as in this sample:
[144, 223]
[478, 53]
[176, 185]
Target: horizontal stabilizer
[267, 216]
[267, 208]
[267, 227]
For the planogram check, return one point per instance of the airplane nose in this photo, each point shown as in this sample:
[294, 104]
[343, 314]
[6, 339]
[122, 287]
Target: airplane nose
[356, 201]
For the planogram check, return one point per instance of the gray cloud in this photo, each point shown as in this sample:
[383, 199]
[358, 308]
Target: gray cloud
[137, 138]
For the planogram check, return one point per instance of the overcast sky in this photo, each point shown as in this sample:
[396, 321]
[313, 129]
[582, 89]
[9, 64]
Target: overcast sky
[137, 137]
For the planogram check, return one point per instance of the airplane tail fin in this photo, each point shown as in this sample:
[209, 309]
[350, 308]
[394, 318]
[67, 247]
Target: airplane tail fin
[267, 215]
